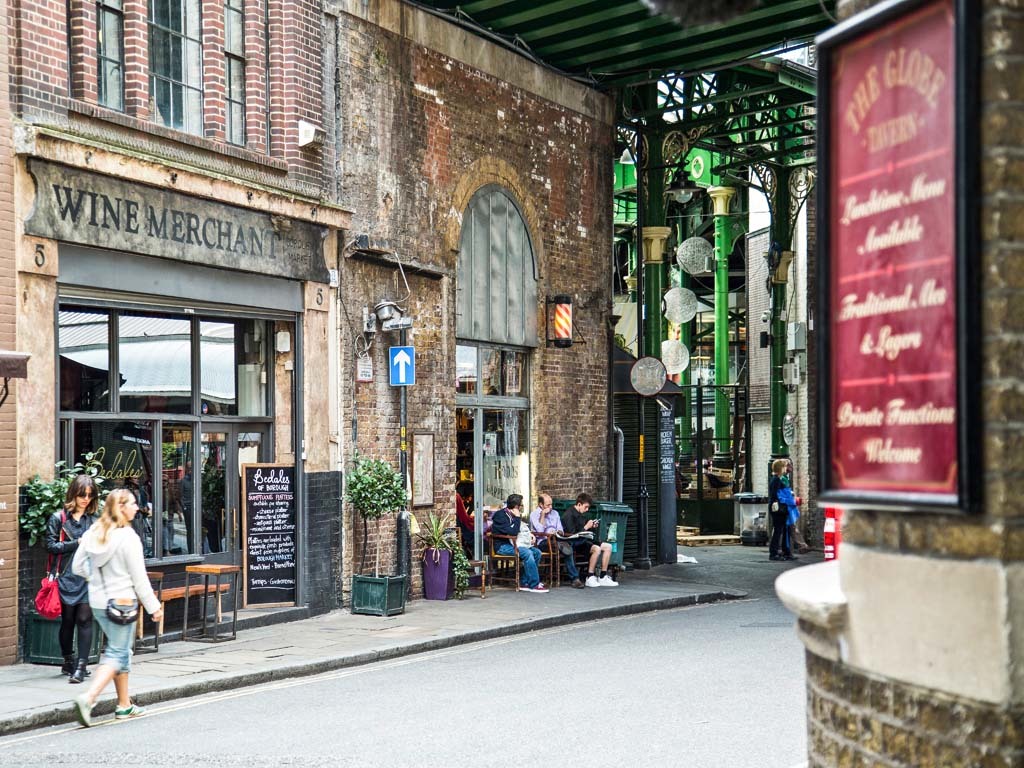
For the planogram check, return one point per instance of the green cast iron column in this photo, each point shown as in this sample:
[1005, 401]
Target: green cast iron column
[782, 233]
[654, 233]
[721, 196]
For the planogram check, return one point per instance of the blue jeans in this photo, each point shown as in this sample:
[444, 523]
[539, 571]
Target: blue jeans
[530, 557]
[120, 638]
[570, 560]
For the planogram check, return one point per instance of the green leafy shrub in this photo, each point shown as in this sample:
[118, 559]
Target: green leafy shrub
[374, 489]
[47, 496]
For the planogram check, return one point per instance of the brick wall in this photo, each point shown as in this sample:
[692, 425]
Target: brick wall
[418, 132]
[55, 86]
[322, 560]
[860, 718]
[8, 313]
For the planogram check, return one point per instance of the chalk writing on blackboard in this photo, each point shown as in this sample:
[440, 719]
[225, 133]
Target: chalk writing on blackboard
[270, 528]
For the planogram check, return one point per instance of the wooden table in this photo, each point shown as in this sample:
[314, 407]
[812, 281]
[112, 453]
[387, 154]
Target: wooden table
[217, 571]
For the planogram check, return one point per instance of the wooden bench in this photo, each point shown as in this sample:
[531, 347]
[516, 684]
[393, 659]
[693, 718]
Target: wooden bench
[178, 593]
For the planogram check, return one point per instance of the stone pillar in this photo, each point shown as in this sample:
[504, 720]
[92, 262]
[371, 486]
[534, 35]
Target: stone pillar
[915, 636]
[721, 196]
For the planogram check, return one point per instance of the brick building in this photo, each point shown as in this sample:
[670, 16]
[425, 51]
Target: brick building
[168, 200]
[915, 638]
[180, 196]
[488, 177]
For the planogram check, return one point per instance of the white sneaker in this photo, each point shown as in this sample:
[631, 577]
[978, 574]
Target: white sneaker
[606, 581]
[592, 581]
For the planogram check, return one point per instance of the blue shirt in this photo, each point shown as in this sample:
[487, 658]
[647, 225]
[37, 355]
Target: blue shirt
[550, 524]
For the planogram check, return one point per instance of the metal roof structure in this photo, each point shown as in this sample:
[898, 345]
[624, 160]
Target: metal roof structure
[615, 43]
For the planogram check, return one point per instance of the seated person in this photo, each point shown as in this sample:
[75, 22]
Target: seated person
[573, 522]
[465, 522]
[507, 522]
[545, 521]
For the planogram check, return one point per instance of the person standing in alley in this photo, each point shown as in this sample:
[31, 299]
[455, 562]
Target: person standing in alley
[779, 548]
[110, 559]
[507, 522]
[64, 529]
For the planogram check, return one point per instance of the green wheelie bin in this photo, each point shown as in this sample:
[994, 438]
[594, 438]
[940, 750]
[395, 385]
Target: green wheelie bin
[614, 518]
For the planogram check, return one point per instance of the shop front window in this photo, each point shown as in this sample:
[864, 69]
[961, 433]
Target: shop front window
[154, 363]
[124, 452]
[177, 521]
[506, 461]
[233, 367]
[465, 370]
[83, 340]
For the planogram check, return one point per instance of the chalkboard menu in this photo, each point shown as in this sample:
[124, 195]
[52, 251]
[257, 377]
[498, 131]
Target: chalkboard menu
[268, 514]
[667, 448]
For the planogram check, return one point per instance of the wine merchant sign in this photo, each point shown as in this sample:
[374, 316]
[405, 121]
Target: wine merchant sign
[77, 206]
[896, 288]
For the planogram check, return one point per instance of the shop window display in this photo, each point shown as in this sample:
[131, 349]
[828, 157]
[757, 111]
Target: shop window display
[83, 342]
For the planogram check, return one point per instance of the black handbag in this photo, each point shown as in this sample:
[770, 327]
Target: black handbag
[120, 610]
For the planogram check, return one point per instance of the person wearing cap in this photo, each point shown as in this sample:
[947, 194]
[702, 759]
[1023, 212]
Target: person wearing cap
[507, 522]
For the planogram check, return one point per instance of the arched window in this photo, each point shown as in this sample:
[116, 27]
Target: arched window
[497, 276]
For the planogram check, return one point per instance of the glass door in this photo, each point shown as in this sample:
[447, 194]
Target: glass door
[223, 449]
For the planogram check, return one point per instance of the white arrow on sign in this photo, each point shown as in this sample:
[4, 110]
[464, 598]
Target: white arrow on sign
[402, 360]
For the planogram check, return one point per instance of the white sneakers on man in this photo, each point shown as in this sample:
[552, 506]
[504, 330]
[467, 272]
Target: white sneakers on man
[593, 581]
[606, 581]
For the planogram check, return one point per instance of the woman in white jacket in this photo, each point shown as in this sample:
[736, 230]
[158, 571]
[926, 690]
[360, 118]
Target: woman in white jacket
[110, 558]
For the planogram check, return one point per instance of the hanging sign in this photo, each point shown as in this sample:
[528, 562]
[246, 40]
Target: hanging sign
[894, 116]
[268, 517]
[364, 369]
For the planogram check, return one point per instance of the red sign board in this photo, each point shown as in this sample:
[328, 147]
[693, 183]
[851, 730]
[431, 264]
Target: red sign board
[892, 258]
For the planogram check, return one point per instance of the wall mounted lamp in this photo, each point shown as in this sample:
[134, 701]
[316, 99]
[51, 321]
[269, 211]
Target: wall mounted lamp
[561, 330]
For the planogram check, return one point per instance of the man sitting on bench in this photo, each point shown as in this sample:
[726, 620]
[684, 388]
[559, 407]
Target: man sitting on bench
[574, 524]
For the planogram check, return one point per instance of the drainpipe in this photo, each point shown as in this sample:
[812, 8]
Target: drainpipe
[723, 245]
[404, 547]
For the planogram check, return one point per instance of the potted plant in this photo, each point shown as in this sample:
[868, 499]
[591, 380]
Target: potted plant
[375, 489]
[445, 566]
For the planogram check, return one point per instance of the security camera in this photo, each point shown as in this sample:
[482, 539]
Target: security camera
[766, 316]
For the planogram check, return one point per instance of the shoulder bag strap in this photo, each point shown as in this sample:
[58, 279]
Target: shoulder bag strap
[49, 560]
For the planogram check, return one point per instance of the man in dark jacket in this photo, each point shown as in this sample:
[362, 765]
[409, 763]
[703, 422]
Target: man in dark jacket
[507, 522]
[575, 524]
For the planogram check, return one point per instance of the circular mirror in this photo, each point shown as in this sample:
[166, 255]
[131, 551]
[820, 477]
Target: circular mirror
[680, 305]
[648, 376]
[675, 356]
[693, 254]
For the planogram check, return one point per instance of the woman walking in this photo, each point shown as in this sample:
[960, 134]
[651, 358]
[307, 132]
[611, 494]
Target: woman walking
[63, 532]
[110, 558]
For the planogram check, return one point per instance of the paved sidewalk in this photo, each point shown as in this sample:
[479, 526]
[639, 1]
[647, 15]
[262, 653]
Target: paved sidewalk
[35, 695]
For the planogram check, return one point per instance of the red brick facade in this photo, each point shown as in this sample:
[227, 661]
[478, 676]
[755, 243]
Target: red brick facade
[50, 81]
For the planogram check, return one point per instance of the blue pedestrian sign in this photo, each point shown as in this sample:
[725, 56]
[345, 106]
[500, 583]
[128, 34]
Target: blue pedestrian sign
[402, 366]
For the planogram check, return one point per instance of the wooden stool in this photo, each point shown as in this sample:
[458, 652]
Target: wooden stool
[206, 571]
